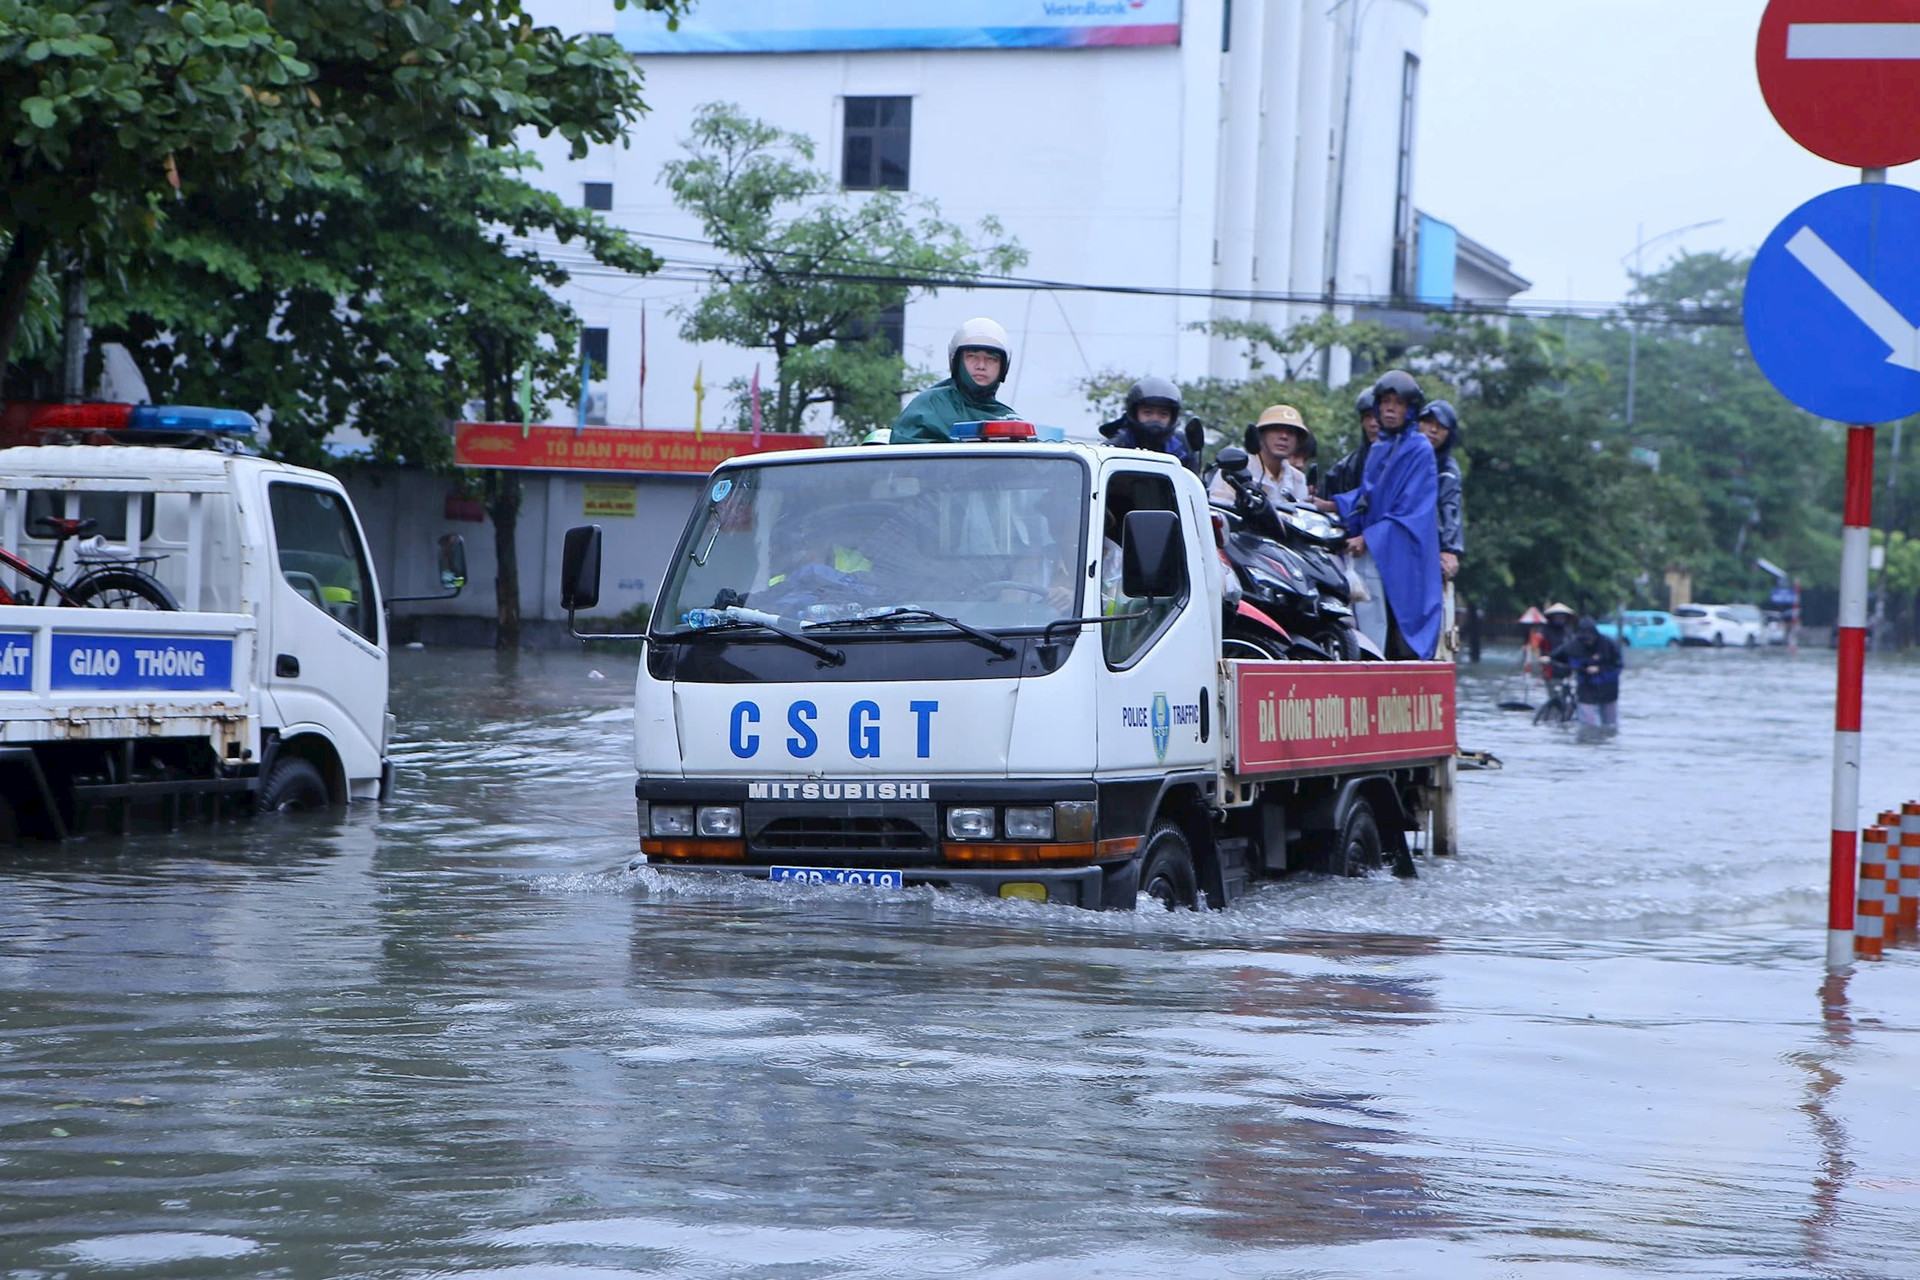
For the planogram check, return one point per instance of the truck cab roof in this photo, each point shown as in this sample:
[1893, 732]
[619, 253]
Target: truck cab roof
[130, 463]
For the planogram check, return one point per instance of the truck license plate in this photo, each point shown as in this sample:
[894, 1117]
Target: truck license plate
[837, 875]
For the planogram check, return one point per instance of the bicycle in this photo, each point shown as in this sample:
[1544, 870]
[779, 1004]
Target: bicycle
[1560, 706]
[96, 585]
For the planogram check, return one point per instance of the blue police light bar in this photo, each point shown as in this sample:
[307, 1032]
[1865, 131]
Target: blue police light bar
[1004, 429]
[186, 417]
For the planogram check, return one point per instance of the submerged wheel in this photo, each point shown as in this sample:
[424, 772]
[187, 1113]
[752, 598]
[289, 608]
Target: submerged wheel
[1358, 849]
[294, 786]
[1166, 869]
[122, 589]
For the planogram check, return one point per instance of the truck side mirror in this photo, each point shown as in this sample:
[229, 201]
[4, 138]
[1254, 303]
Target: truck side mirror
[1196, 444]
[580, 568]
[1153, 563]
[1232, 459]
[453, 562]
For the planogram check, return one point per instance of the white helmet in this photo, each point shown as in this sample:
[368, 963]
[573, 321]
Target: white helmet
[980, 332]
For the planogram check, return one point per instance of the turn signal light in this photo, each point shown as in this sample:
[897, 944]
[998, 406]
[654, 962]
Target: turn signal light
[696, 850]
[1077, 851]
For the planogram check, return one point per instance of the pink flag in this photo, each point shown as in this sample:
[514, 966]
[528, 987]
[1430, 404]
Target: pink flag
[756, 406]
[643, 364]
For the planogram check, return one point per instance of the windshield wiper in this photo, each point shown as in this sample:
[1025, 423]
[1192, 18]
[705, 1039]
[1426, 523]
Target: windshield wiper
[830, 656]
[985, 639]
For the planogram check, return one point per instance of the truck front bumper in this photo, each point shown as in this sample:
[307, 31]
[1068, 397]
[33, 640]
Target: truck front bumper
[1074, 886]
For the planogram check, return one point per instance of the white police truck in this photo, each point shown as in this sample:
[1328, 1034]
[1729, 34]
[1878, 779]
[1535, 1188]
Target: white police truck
[997, 665]
[183, 624]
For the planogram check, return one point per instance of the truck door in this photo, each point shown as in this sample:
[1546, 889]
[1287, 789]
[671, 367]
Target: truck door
[1157, 691]
[326, 666]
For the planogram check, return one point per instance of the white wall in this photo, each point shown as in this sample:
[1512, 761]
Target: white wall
[1135, 166]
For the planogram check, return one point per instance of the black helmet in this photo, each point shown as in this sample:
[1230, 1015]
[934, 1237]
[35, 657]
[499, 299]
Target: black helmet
[1442, 412]
[1401, 383]
[1364, 404]
[1157, 389]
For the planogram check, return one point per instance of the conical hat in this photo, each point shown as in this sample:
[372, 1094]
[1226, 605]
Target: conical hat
[1533, 617]
[1557, 607]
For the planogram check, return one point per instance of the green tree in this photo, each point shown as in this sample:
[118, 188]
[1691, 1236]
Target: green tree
[399, 287]
[108, 106]
[810, 273]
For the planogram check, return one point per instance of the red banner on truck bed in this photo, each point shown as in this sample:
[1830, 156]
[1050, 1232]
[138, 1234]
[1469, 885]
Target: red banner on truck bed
[507, 444]
[1314, 715]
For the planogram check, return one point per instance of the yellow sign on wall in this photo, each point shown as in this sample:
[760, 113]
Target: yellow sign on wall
[609, 500]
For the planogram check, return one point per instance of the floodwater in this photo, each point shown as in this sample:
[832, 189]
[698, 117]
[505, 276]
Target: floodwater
[457, 1038]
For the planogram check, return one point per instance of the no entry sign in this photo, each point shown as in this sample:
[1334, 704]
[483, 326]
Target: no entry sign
[1843, 77]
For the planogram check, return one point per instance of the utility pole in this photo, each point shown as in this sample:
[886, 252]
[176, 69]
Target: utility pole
[1639, 274]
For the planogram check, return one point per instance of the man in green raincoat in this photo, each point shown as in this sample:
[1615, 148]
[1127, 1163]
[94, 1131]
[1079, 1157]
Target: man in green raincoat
[978, 358]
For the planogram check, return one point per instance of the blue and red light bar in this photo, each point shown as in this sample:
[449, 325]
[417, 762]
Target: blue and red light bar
[1004, 429]
[23, 423]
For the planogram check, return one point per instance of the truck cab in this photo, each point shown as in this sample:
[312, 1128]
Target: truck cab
[990, 665]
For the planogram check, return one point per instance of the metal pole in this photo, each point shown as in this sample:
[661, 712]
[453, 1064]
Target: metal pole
[1633, 326]
[1851, 641]
[73, 362]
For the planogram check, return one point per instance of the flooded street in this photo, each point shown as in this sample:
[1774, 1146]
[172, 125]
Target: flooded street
[456, 1037]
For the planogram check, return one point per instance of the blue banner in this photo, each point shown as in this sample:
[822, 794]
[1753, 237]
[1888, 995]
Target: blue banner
[16, 660]
[810, 26]
[156, 663]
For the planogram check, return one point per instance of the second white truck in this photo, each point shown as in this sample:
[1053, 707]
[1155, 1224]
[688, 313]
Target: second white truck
[254, 666]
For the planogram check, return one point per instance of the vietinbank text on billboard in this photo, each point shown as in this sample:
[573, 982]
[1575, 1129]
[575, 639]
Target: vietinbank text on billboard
[819, 26]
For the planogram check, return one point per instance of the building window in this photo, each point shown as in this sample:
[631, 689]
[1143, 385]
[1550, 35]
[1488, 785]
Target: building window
[874, 143]
[890, 326]
[597, 195]
[593, 350]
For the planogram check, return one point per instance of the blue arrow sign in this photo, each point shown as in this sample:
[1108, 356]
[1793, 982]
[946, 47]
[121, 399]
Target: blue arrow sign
[1833, 301]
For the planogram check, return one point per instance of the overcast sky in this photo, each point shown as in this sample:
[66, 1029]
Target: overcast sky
[1549, 129]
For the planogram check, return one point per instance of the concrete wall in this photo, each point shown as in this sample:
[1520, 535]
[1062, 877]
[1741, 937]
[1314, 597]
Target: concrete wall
[404, 514]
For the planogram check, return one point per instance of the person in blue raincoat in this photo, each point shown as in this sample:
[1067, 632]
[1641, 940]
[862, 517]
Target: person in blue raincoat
[1393, 515]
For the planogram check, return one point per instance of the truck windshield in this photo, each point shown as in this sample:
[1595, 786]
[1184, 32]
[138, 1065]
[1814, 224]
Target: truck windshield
[994, 542]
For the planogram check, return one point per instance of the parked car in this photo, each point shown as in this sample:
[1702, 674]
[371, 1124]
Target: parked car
[1719, 624]
[1643, 629]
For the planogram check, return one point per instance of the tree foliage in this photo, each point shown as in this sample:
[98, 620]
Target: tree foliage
[811, 272]
[119, 118]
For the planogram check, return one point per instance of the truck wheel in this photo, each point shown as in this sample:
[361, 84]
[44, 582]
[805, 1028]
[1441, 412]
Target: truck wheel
[1358, 851]
[1166, 869]
[295, 785]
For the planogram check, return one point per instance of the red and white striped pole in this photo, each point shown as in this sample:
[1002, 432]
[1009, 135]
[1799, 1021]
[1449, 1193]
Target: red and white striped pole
[1851, 640]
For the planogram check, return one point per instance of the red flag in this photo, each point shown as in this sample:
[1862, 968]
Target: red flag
[643, 364]
[756, 406]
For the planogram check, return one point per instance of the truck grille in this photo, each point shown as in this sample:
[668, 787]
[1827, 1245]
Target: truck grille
[828, 834]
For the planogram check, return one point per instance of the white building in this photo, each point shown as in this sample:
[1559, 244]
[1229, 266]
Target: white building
[1244, 147]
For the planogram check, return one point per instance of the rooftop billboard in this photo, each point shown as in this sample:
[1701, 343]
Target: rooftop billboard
[820, 26]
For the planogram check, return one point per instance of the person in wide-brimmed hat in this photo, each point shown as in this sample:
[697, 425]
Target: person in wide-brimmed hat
[1280, 431]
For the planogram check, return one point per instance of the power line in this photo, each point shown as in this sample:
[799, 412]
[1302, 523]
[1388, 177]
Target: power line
[577, 262]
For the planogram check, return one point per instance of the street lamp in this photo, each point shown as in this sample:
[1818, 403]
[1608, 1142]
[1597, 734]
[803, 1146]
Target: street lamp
[1633, 328]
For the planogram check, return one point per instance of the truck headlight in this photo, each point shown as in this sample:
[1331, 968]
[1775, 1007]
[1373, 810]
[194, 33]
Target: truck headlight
[969, 824]
[720, 820]
[1030, 824]
[672, 819]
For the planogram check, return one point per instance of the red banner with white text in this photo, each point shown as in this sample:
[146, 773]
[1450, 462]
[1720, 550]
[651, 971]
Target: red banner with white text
[1294, 716]
[508, 445]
